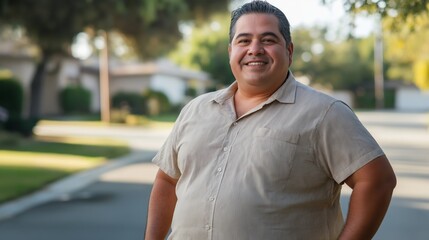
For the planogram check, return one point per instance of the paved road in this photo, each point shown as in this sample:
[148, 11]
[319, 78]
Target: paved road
[405, 139]
[114, 207]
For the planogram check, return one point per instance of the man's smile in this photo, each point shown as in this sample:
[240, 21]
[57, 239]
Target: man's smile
[255, 63]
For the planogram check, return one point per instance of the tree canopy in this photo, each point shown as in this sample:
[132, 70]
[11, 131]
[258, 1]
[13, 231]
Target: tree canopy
[152, 26]
[399, 8]
[206, 49]
[400, 12]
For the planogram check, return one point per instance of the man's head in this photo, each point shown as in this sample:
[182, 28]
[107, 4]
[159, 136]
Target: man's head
[258, 6]
[260, 49]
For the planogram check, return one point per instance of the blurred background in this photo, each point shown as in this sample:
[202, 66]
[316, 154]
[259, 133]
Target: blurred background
[85, 82]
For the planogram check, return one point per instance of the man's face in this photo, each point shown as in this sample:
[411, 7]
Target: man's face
[259, 57]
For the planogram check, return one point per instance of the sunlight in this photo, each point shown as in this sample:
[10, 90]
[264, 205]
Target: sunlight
[138, 173]
[80, 47]
[48, 160]
[93, 141]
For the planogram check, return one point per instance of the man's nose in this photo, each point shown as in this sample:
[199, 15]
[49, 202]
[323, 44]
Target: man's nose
[256, 48]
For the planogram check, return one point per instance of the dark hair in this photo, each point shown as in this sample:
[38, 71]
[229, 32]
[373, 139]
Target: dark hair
[258, 6]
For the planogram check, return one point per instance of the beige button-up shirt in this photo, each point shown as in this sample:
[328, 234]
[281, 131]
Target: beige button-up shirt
[274, 173]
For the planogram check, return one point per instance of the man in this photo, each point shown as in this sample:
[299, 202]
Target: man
[266, 158]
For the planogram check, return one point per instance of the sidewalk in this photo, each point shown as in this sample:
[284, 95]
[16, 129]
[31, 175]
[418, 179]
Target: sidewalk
[63, 188]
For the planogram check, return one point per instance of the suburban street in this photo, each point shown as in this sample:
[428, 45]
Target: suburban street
[115, 206]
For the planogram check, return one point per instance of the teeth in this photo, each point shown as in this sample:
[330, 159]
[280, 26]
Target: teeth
[255, 63]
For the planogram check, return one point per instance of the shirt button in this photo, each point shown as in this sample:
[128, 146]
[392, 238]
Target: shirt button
[211, 199]
[219, 169]
[225, 149]
[208, 227]
[235, 123]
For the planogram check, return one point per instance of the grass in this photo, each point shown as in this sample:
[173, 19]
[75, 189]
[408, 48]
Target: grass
[161, 121]
[17, 181]
[36, 146]
[27, 165]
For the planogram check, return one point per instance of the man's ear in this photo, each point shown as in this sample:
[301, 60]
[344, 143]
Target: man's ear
[290, 48]
[290, 51]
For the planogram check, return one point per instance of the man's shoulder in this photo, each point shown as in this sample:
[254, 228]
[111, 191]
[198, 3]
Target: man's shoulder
[314, 96]
[205, 97]
[202, 100]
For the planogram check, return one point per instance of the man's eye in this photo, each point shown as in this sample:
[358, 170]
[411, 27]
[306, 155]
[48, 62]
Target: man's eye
[243, 41]
[268, 40]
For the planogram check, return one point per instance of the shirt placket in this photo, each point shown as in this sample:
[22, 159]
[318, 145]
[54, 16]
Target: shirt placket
[218, 175]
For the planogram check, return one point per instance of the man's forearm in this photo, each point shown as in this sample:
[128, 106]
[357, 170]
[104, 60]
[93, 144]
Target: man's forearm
[161, 207]
[368, 205]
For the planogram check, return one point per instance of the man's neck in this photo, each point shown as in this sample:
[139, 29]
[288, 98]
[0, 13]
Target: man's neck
[244, 102]
[247, 97]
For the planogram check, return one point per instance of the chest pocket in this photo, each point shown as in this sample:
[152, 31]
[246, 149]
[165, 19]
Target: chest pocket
[271, 157]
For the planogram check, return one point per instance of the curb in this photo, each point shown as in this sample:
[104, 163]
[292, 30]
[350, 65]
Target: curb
[67, 185]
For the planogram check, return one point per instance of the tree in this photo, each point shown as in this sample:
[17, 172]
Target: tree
[345, 65]
[399, 8]
[150, 25]
[206, 49]
[405, 48]
[402, 13]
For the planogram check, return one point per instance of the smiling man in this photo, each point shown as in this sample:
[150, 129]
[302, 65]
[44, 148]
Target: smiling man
[266, 157]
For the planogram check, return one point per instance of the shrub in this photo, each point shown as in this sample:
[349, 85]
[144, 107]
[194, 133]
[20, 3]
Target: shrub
[9, 139]
[11, 96]
[12, 99]
[191, 92]
[158, 102]
[365, 99]
[75, 99]
[133, 103]
[24, 126]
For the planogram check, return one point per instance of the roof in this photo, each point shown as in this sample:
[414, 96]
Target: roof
[160, 67]
[163, 67]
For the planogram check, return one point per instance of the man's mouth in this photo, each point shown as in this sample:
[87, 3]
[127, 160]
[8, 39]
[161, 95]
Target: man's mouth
[256, 63]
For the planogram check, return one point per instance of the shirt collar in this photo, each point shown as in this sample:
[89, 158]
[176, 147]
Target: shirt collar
[225, 94]
[285, 94]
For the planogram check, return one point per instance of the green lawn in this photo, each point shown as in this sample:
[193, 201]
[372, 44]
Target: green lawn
[29, 164]
[68, 148]
[16, 181]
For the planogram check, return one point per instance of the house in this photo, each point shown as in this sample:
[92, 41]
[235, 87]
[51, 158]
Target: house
[161, 75]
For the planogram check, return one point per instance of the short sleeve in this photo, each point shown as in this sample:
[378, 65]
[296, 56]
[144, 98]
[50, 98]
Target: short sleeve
[166, 158]
[343, 144]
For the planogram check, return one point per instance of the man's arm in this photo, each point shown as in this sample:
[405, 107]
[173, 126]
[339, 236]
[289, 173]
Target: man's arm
[161, 206]
[372, 186]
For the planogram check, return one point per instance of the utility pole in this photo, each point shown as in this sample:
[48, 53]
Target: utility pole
[104, 79]
[378, 64]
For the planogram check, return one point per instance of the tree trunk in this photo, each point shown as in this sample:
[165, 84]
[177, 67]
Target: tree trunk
[36, 85]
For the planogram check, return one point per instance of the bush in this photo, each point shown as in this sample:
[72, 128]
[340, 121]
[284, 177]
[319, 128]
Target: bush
[158, 102]
[9, 139]
[365, 99]
[191, 92]
[24, 126]
[133, 103]
[12, 99]
[11, 96]
[75, 99]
